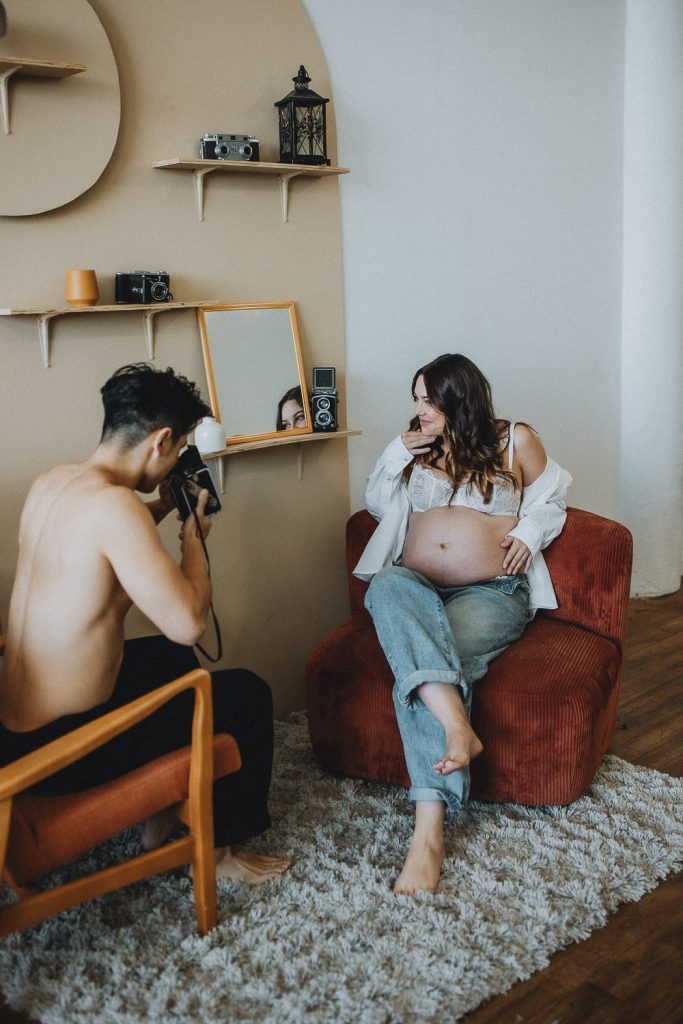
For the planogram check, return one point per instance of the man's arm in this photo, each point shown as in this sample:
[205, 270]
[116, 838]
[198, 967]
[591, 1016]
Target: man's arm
[175, 597]
[161, 506]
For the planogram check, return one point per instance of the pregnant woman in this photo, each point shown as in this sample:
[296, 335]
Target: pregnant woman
[466, 502]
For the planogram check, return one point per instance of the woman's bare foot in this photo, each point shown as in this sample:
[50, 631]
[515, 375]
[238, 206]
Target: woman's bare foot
[462, 746]
[159, 827]
[239, 865]
[462, 743]
[422, 869]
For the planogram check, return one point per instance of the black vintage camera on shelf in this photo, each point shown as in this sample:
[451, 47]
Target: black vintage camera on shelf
[324, 400]
[142, 286]
[189, 476]
[228, 147]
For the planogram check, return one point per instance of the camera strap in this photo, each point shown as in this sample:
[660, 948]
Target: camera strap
[217, 628]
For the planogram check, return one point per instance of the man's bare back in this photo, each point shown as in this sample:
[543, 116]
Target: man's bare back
[65, 638]
[88, 549]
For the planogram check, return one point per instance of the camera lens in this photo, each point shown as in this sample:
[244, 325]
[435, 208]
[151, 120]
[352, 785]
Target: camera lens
[323, 418]
[245, 150]
[323, 403]
[158, 290]
[222, 149]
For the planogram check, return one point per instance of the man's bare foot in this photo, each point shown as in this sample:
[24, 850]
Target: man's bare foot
[159, 827]
[462, 746]
[422, 869]
[239, 865]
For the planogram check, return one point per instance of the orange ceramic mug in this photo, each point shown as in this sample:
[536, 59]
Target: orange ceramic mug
[81, 288]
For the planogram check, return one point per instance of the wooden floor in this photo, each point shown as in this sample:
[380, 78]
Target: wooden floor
[630, 971]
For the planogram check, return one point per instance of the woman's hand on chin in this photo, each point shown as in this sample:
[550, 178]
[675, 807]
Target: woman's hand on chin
[418, 443]
[518, 558]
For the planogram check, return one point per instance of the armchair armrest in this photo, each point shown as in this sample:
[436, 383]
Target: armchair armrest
[51, 758]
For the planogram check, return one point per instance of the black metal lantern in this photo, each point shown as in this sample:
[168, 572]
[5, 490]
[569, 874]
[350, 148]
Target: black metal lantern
[303, 133]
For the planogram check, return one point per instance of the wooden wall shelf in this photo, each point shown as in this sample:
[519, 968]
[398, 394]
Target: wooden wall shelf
[285, 173]
[23, 67]
[273, 442]
[149, 311]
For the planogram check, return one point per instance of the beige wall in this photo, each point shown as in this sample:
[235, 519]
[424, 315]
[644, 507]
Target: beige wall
[184, 69]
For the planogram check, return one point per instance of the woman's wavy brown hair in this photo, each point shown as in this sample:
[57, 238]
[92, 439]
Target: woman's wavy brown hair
[473, 439]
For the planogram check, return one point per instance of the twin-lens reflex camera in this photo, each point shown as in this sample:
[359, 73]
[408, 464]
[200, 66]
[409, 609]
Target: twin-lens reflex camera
[324, 400]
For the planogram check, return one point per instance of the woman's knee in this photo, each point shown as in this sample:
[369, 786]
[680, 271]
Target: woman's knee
[387, 582]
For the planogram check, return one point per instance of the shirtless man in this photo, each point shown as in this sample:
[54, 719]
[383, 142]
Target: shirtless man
[88, 550]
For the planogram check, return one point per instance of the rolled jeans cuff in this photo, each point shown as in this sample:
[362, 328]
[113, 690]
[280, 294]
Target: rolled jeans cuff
[425, 794]
[406, 687]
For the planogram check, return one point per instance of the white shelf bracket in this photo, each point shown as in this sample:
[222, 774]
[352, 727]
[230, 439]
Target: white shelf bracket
[148, 316]
[44, 336]
[198, 174]
[284, 193]
[220, 468]
[4, 96]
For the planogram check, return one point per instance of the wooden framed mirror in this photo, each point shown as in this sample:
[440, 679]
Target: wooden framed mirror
[254, 370]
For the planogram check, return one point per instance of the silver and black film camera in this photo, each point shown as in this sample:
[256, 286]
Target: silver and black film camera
[228, 147]
[189, 476]
[324, 399]
[142, 286]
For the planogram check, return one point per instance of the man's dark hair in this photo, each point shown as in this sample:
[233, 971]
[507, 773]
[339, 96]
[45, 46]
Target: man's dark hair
[139, 399]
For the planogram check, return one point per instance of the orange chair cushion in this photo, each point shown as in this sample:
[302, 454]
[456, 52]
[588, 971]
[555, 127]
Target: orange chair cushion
[48, 831]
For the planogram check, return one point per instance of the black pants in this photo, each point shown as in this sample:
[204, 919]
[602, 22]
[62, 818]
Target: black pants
[242, 706]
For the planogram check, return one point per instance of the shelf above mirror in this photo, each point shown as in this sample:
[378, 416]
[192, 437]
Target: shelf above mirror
[149, 311]
[285, 173]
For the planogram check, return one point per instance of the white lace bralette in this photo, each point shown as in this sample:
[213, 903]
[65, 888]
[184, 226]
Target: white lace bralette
[428, 490]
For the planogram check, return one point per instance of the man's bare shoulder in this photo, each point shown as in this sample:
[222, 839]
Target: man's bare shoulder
[46, 489]
[117, 507]
[86, 492]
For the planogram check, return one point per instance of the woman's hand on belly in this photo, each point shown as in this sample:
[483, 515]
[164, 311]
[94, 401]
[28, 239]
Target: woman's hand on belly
[455, 546]
[518, 558]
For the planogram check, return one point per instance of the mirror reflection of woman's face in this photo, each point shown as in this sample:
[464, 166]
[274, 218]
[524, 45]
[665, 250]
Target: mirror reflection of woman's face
[292, 415]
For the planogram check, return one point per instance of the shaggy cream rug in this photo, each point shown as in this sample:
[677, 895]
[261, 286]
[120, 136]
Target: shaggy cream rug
[328, 942]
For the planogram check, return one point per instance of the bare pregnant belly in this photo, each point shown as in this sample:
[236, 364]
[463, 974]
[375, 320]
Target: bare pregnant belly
[456, 546]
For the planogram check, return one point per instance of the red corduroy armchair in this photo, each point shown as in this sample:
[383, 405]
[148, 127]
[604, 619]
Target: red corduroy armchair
[546, 709]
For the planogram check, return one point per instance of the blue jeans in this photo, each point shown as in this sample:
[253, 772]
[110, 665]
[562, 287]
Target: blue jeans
[440, 635]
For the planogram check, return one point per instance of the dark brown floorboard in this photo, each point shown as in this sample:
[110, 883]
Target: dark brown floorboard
[630, 971]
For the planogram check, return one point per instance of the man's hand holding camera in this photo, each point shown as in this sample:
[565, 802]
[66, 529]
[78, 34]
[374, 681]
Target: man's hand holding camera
[188, 531]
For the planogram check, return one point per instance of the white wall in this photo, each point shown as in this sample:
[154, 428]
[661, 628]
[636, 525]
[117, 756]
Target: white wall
[484, 214]
[652, 356]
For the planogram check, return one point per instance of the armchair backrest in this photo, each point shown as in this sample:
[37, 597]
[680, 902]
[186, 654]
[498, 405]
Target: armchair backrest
[590, 566]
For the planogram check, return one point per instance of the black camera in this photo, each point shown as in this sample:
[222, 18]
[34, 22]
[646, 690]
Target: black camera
[190, 476]
[228, 147]
[324, 400]
[142, 286]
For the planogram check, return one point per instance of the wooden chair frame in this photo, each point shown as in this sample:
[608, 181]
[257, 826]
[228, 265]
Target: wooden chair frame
[196, 848]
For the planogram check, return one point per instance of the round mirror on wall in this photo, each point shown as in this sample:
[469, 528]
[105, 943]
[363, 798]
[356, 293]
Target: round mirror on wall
[62, 130]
